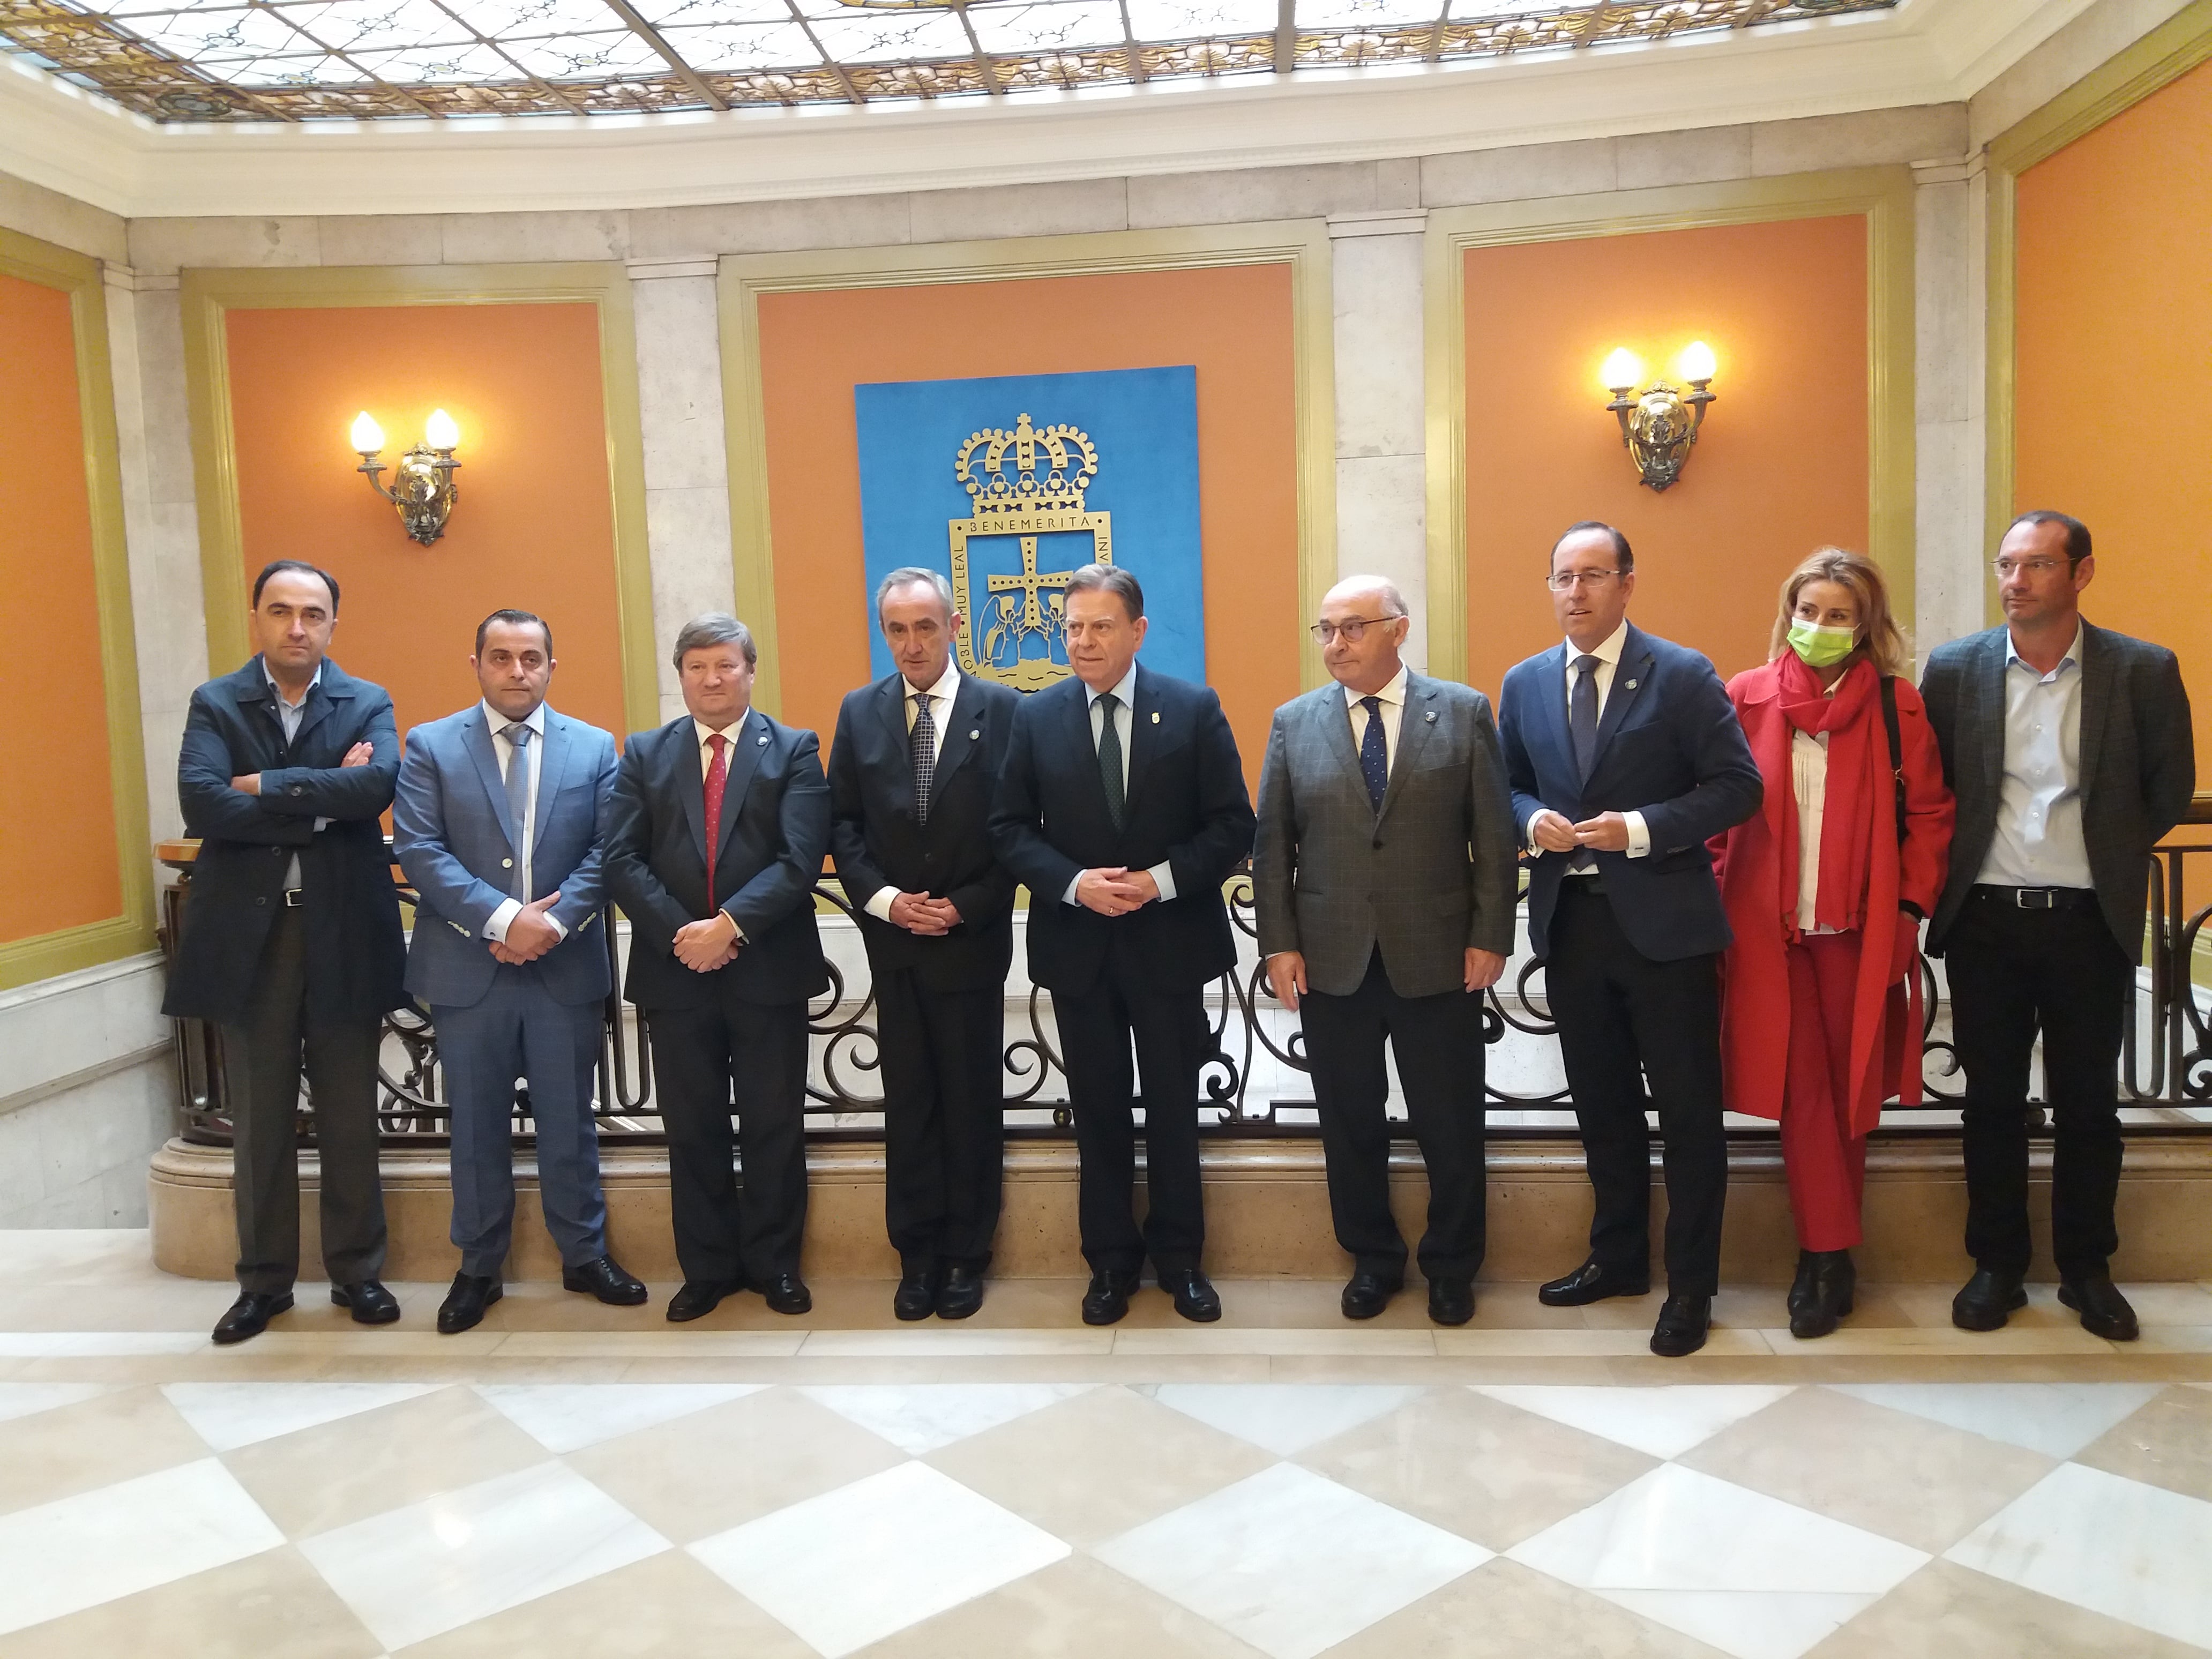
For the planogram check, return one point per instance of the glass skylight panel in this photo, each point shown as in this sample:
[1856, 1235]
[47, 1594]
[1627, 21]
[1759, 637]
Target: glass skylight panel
[449, 64]
[386, 26]
[586, 57]
[514, 20]
[729, 47]
[1199, 20]
[1367, 13]
[136, 8]
[1062, 25]
[307, 69]
[244, 33]
[862, 37]
[689, 13]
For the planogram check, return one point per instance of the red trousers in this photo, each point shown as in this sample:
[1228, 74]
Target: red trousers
[1824, 1161]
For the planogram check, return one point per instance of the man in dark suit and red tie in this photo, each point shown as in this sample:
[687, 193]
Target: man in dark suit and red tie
[715, 836]
[1122, 808]
[912, 769]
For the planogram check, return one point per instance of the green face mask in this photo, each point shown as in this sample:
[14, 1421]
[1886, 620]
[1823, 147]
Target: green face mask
[1821, 647]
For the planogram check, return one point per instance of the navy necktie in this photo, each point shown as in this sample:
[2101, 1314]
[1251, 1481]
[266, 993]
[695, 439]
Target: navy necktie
[1374, 753]
[518, 804]
[922, 742]
[1109, 756]
[1582, 714]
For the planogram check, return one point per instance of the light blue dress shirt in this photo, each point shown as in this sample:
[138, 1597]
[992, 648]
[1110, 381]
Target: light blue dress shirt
[2039, 836]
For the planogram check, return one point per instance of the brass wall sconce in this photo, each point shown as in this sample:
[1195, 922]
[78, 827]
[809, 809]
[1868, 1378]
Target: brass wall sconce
[1658, 425]
[423, 484]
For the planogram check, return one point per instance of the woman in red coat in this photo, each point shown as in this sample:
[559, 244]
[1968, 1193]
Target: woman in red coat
[1826, 902]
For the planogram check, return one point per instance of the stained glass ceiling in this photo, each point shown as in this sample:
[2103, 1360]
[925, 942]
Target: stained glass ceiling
[308, 60]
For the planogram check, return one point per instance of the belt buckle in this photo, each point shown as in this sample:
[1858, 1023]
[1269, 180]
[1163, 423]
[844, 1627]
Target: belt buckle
[2035, 898]
[293, 899]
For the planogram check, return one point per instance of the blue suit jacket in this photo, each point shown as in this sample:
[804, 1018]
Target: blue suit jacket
[1668, 746]
[450, 829]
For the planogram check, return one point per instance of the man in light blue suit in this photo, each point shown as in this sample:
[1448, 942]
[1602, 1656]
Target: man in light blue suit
[498, 823]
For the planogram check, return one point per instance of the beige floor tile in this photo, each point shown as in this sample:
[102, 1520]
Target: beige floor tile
[1622, 1312]
[2175, 1338]
[667, 1607]
[1343, 1338]
[2017, 1338]
[674, 1343]
[2169, 1304]
[1503, 1610]
[360, 1466]
[1603, 1342]
[2167, 1443]
[94, 1443]
[935, 1337]
[1947, 1612]
[1097, 1465]
[718, 1469]
[1903, 1477]
[1484, 1469]
[84, 1256]
[1930, 1304]
[270, 1606]
[168, 1304]
[1077, 1609]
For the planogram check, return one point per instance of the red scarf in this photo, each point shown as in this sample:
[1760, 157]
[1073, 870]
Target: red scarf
[1858, 770]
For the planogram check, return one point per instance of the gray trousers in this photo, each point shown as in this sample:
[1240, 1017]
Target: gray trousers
[518, 1030]
[263, 1059]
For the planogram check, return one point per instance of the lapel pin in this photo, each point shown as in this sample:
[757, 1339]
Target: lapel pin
[1631, 686]
[762, 739]
[974, 736]
[1156, 717]
[1432, 717]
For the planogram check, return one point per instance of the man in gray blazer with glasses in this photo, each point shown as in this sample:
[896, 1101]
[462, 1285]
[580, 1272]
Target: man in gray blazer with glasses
[1383, 874]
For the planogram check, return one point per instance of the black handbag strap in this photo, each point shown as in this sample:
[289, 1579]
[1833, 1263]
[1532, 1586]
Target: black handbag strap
[1896, 748]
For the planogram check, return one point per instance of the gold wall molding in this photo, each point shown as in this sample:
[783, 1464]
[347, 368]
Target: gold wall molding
[2115, 86]
[132, 931]
[1302, 244]
[208, 296]
[1883, 195]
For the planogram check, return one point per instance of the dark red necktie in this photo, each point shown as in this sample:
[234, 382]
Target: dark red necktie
[718, 775]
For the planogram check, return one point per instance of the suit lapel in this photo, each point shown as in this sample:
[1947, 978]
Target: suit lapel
[1144, 739]
[891, 711]
[477, 738]
[1989, 693]
[686, 779]
[329, 686]
[745, 746]
[1630, 676]
[2097, 676]
[552, 761]
[953, 744]
[1331, 718]
[1551, 684]
[1414, 725]
[1081, 745]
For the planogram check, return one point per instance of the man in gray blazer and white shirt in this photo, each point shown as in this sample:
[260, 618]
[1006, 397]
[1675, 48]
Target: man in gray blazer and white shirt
[1383, 876]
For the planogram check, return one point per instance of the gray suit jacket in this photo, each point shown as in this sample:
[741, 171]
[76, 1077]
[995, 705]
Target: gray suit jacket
[1426, 879]
[2138, 763]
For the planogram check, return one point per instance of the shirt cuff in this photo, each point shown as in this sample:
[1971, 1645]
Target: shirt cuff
[495, 927]
[1163, 875]
[1068, 898]
[560, 928]
[1639, 835]
[879, 902]
[321, 824]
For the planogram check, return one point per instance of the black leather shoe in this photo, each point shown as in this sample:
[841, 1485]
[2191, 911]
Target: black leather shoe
[1107, 1299]
[1451, 1301]
[1826, 1287]
[1592, 1282]
[2105, 1312]
[603, 1277]
[250, 1315]
[465, 1304]
[787, 1293]
[699, 1298]
[370, 1302]
[1367, 1294]
[962, 1293]
[1984, 1302]
[916, 1296]
[1194, 1295]
[1683, 1321]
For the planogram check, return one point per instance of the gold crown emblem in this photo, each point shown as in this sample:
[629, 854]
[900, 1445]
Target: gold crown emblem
[1069, 461]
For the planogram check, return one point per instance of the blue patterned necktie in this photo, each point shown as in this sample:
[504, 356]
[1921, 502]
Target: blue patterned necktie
[1109, 756]
[921, 741]
[1374, 753]
[518, 802]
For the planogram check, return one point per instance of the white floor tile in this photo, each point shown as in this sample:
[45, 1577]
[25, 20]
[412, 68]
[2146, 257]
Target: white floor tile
[28, 1399]
[2114, 1546]
[80, 1552]
[1677, 1531]
[1289, 1562]
[1285, 1418]
[922, 1417]
[566, 1416]
[864, 1562]
[2056, 1418]
[466, 1555]
[229, 1415]
[1662, 1422]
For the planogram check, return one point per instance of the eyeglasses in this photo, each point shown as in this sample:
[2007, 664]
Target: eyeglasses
[1353, 629]
[1562, 580]
[2038, 567]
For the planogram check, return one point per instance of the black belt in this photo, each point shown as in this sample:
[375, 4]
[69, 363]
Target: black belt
[2037, 898]
[1591, 885]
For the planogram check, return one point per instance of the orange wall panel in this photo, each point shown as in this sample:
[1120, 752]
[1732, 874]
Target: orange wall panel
[2112, 337]
[58, 833]
[1233, 322]
[533, 528]
[1780, 468]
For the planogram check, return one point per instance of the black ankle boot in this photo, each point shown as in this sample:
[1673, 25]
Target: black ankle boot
[1826, 1287]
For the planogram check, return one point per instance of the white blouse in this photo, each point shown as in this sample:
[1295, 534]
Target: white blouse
[1808, 773]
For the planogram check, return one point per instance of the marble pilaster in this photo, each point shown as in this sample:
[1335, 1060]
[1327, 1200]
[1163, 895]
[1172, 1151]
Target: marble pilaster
[1949, 429]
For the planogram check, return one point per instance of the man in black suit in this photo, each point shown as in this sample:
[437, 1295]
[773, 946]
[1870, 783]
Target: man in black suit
[1122, 808]
[291, 940]
[1626, 758]
[2069, 750]
[715, 835]
[911, 772]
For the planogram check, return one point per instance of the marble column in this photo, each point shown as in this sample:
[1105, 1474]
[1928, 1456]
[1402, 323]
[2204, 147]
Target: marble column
[687, 478]
[1950, 425]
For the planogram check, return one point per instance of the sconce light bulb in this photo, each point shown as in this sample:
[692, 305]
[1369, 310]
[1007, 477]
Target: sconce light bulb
[439, 432]
[368, 437]
[1697, 363]
[1622, 370]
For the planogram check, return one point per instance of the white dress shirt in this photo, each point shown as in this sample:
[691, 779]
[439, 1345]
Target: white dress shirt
[701, 732]
[1808, 778]
[288, 716]
[496, 924]
[1608, 653]
[940, 696]
[1125, 726]
[2038, 835]
[1392, 698]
